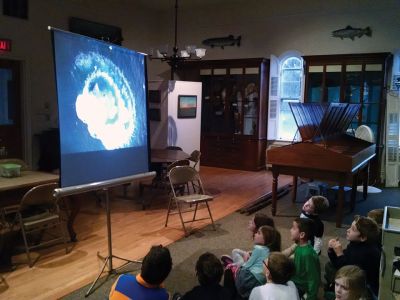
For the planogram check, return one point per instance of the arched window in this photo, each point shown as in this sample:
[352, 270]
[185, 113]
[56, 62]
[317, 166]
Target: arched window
[291, 74]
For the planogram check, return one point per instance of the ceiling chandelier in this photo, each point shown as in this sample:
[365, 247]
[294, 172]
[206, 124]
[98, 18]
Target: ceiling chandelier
[190, 53]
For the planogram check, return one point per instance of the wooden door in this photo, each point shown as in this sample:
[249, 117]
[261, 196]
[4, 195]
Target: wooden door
[10, 109]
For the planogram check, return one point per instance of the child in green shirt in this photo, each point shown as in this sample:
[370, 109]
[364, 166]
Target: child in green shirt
[308, 274]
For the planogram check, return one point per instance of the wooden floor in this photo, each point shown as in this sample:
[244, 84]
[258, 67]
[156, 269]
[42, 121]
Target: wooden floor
[133, 231]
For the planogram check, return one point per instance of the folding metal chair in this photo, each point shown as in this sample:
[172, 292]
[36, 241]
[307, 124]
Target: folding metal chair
[39, 212]
[187, 189]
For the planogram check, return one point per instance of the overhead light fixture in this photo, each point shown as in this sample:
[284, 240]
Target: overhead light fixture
[190, 53]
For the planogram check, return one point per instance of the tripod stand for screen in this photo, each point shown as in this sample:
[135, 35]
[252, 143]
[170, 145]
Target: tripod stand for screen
[108, 260]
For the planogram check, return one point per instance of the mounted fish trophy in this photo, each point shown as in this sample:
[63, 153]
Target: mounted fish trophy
[229, 40]
[351, 33]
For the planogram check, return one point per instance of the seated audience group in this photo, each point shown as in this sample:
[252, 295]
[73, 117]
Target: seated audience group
[265, 272]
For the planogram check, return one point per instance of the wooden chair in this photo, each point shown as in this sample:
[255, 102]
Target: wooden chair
[38, 212]
[191, 194]
[195, 157]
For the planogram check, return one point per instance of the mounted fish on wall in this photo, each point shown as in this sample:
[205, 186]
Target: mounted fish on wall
[229, 40]
[351, 33]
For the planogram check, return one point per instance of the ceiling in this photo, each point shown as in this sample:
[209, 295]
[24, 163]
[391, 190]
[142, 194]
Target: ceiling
[167, 4]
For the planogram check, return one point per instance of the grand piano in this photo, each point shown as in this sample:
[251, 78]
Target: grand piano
[326, 152]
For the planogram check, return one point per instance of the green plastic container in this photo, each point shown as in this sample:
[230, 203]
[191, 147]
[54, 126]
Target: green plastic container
[10, 170]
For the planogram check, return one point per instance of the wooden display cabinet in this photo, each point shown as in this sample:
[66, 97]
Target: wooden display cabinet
[234, 111]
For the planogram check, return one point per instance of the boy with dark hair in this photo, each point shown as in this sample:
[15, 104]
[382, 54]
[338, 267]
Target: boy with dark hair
[308, 274]
[147, 285]
[209, 272]
[311, 210]
[363, 250]
[209, 269]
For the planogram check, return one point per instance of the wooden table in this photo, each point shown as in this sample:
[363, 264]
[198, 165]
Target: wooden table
[160, 159]
[167, 155]
[28, 179]
[13, 189]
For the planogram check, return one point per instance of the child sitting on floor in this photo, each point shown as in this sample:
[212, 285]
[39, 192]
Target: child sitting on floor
[259, 219]
[311, 210]
[278, 270]
[156, 266]
[350, 284]
[209, 272]
[308, 273]
[247, 269]
[363, 251]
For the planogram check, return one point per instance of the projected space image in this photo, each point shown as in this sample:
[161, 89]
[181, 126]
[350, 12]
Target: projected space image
[102, 88]
[108, 111]
[101, 92]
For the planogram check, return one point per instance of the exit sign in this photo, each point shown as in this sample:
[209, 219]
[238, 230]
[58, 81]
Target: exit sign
[5, 45]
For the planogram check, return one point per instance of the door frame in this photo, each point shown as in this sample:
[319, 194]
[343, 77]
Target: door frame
[24, 115]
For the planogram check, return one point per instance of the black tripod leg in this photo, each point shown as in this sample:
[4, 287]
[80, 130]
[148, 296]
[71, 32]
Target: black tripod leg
[98, 276]
[109, 258]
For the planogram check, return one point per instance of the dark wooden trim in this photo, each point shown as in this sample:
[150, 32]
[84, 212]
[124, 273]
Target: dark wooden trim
[12, 135]
[345, 58]
[225, 63]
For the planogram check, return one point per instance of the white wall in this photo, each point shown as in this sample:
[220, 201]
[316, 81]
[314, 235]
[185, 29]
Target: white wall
[170, 130]
[184, 133]
[273, 27]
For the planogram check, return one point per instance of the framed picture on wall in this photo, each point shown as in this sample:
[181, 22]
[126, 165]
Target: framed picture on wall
[187, 106]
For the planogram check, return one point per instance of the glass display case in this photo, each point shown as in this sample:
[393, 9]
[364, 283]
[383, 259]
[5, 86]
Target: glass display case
[234, 105]
[230, 104]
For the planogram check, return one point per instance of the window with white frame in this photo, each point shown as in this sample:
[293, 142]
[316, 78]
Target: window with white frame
[291, 74]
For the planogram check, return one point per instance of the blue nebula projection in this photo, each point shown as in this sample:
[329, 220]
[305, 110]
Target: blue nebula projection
[106, 104]
[107, 84]
[102, 108]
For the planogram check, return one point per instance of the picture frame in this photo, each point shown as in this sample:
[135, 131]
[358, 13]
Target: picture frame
[187, 106]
